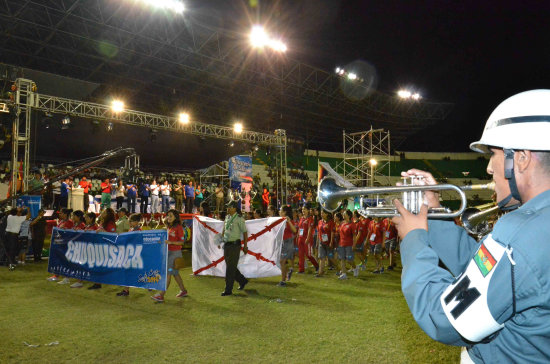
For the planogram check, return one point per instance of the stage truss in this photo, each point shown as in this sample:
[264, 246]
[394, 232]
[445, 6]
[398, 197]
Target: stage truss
[26, 100]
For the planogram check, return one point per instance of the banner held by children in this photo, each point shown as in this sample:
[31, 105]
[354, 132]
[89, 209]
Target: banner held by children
[134, 259]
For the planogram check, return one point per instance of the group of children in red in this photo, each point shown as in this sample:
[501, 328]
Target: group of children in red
[107, 222]
[325, 240]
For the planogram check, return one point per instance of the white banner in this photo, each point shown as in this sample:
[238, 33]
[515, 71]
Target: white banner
[265, 240]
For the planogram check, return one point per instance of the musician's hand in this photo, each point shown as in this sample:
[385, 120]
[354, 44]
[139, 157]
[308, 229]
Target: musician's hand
[432, 197]
[408, 221]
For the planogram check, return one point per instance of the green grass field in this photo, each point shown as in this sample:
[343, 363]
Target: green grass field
[312, 320]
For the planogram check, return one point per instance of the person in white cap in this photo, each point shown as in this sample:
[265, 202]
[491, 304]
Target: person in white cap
[494, 298]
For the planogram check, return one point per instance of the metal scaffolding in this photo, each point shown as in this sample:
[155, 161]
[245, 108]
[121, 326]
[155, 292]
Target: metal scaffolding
[281, 171]
[367, 157]
[24, 99]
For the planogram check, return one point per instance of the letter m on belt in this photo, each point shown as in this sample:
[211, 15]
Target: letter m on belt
[484, 260]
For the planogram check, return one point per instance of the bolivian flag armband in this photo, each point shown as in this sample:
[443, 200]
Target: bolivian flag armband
[465, 301]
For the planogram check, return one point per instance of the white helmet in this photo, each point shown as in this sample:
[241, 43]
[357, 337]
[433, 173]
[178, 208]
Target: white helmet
[521, 122]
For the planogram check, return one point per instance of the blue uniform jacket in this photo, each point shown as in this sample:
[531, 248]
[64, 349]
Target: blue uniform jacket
[474, 298]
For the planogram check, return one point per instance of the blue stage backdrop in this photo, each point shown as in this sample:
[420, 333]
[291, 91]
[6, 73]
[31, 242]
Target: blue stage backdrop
[134, 259]
[34, 203]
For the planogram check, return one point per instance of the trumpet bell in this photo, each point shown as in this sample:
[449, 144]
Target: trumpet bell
[326, 192]
[476, 219]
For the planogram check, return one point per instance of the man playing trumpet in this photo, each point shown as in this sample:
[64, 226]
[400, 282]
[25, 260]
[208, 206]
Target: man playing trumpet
[494, 299]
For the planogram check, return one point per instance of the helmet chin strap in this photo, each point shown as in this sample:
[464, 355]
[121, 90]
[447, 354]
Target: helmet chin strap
[509, 175]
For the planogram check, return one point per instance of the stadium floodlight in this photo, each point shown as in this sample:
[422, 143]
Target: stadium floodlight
[258, 37]
[173, 5]
[117, 106]
[184, 118]
[238, 127]
[277, 46]
[404, 94]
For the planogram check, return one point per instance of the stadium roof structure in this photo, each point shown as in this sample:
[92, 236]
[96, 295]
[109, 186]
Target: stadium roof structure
[163, 63]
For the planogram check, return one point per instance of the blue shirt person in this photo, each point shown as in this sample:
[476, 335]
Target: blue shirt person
[494, 297]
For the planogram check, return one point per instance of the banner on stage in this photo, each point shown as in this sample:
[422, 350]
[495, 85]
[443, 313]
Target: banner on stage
[264, 247]
[240, 168]
[134, 259]
[33, 203]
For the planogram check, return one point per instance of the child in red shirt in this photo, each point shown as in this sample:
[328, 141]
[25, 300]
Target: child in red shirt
[78, 219]
[305, 238]
[389, 234]
[287, 250]
[89, 219]
[325, 229]
[135, 225]
[107, 224]
[375, 238]
[64, 223]
[345, 250]
[176, 238]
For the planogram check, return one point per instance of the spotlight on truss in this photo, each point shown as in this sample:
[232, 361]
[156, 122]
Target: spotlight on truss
[95, 126]
[238, 127]
[416, 96]
[65, 122]
[117, 106]
[352, 76]
[47, 120]
[183, 118]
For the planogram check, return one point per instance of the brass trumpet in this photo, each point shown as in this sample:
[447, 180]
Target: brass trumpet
[329, 195]
[476, 219]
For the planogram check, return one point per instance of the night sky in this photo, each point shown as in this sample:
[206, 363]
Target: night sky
[471, 53]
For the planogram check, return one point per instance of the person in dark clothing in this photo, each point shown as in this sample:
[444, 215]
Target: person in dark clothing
[38, 232]
[144, 194]
[3, 251]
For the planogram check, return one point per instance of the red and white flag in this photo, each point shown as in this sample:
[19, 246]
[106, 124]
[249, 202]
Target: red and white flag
[265, 240]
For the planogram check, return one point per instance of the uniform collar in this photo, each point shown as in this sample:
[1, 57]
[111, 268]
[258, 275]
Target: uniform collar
[536, 203]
